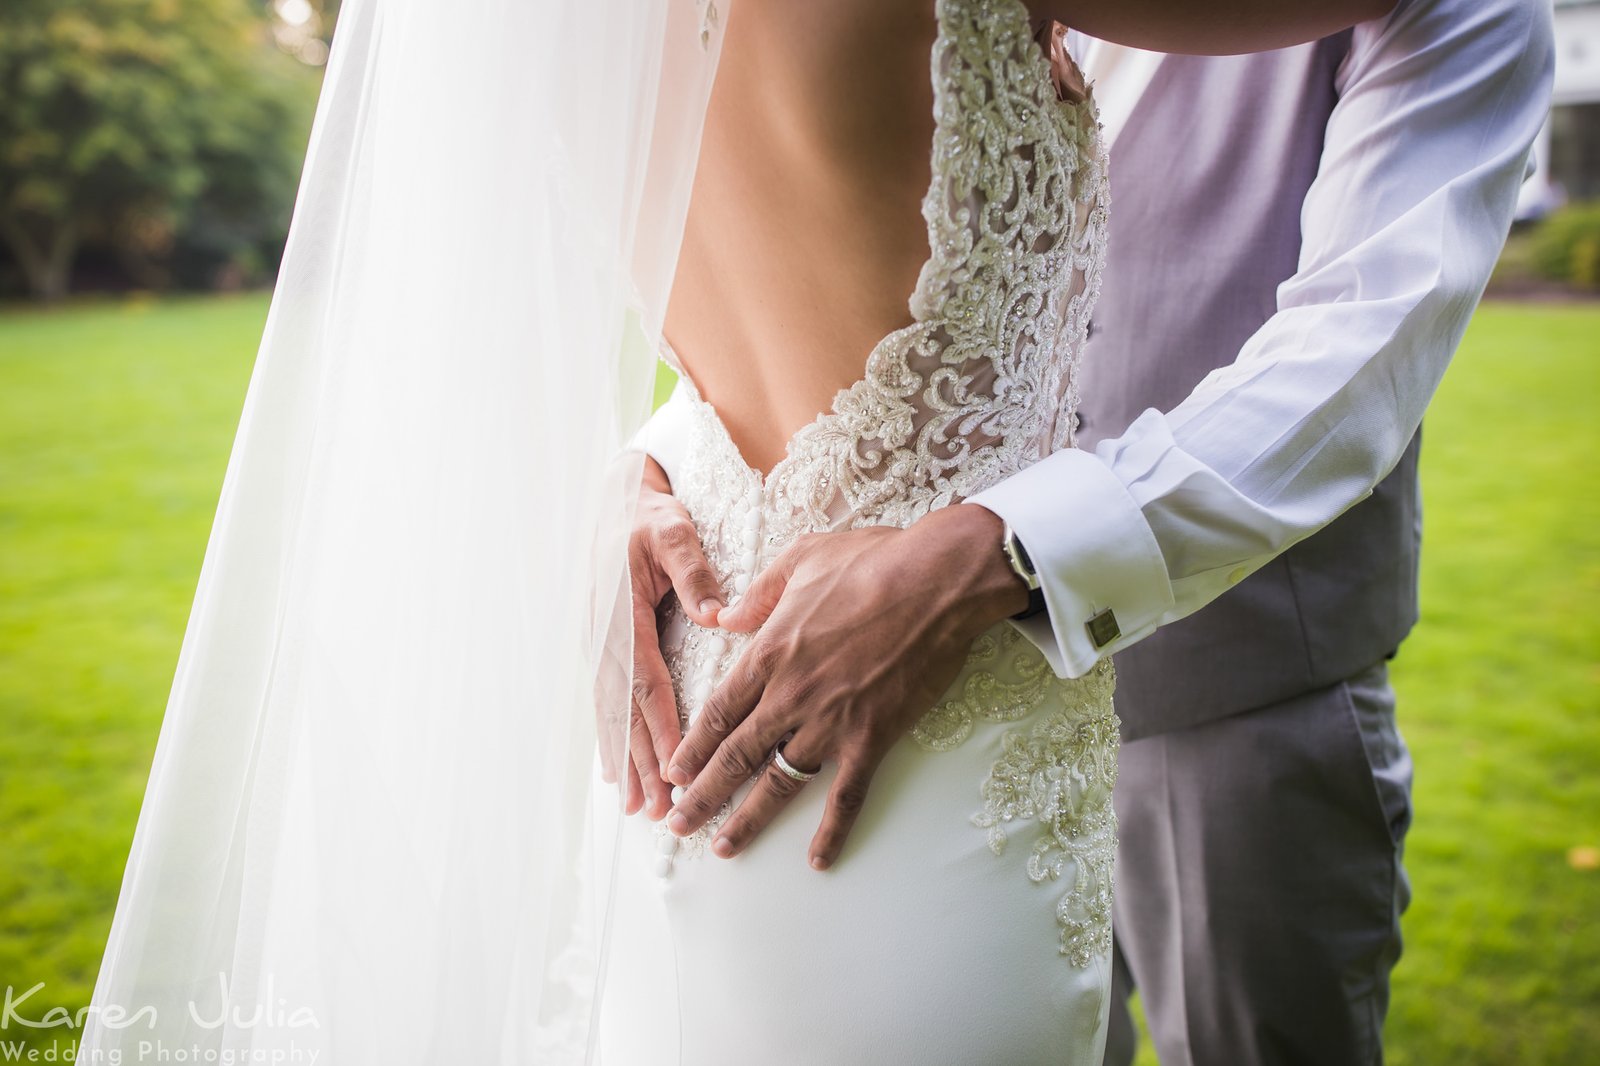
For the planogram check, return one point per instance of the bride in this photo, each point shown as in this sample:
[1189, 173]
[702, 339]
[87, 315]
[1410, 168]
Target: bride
[372, 820]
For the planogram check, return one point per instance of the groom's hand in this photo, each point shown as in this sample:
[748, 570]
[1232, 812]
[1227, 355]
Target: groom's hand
[664, 555]
[861, 631]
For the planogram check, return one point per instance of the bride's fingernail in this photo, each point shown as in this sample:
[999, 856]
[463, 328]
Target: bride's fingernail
[722, 846]
[678, 823]
[710, 604]
[818, 862]
[678, 776]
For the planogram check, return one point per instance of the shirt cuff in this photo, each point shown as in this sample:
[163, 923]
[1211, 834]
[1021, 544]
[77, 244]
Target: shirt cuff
[1104, 578]
[665, 435]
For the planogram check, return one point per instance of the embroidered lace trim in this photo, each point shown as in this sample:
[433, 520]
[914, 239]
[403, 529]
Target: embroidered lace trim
[981, 385]
[1061, 774]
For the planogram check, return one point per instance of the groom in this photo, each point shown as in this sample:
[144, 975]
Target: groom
[1298, 240]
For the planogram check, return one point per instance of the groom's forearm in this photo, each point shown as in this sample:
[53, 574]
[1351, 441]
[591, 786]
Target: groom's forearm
[1425, 152]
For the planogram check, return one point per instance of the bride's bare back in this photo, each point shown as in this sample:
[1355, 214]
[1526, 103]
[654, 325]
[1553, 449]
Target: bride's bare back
[804, 236]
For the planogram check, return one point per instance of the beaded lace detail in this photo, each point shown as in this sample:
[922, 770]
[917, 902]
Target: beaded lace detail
[982, 384]
[1060, 774]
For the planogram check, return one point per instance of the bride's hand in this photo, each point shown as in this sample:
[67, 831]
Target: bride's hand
[861, 631]
[664, 555]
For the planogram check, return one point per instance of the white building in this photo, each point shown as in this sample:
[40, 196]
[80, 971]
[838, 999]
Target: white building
[1568, 153]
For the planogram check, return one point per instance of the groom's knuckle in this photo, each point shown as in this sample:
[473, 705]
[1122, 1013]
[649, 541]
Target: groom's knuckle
[796, 689]
[647, 694]
[849, 796]
[689, 754]
[739, 760]
[640, 749]
[718, 716]
[694, 808]
[763, 657]
[790, 640]
[780, 782]
[747, 821]
[874, 735]
[697, 573]
[677, 535]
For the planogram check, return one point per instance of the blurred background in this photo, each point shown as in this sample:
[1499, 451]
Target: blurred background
[149, 152]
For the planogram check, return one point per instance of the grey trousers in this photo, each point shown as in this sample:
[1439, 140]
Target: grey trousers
[1259, 882]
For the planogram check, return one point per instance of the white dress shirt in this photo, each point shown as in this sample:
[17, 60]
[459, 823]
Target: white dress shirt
[1439, 104]
[1119, 74]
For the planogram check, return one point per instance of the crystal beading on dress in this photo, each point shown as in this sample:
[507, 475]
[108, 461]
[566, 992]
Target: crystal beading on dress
[980, 385]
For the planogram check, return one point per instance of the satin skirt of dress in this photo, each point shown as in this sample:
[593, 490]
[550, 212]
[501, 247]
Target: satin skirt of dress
[921, 945]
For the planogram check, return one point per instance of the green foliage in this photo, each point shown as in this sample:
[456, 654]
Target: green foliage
[132, 122]
[115, 422]
[1566, 245]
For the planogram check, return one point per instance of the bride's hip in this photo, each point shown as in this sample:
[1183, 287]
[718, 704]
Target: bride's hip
[1007, 742]
[1006, 782]
[976, 884]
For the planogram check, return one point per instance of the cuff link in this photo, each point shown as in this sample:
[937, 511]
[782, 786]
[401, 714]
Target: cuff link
[1103, 628]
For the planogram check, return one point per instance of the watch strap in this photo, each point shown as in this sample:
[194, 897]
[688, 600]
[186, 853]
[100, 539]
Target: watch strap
[1022, 564]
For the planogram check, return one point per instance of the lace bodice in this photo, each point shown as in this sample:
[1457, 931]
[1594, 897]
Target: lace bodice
[983, 382]
[980, 385]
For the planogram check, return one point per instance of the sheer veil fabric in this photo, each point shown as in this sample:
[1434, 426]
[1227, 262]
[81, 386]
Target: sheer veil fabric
[372, 831]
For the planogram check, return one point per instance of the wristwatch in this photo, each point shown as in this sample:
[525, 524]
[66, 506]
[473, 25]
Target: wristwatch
[1017, 556]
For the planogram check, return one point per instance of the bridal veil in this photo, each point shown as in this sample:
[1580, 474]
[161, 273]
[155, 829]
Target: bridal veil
[370, 832]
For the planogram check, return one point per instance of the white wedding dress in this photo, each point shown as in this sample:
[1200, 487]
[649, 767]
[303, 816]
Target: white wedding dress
[969, 918]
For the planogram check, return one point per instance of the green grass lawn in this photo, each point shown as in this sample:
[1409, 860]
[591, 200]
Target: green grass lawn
[1500, 700]
[115, 422]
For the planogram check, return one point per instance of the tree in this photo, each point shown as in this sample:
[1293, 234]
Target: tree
[122, 119]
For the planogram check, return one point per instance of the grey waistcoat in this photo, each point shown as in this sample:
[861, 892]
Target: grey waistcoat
[1207, 181]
